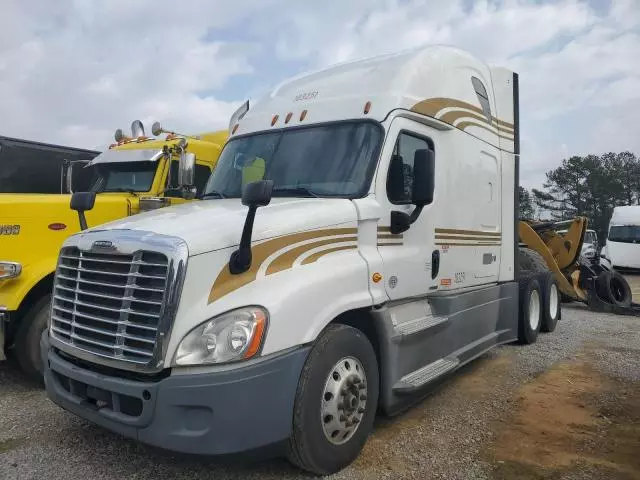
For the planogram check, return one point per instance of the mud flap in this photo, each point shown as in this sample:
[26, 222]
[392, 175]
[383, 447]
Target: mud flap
[3, 357]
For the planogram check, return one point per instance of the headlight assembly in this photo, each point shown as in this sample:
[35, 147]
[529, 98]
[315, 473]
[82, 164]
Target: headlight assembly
[9, 270]
[232, 336]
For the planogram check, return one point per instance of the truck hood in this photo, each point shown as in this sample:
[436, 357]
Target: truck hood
[39, 223]
[53, 208]
[215, 224]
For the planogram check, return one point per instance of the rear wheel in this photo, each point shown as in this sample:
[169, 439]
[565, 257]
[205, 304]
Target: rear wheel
[551, 302]
[530, 312]
[531, 261]
[336, 401]
[27, 341]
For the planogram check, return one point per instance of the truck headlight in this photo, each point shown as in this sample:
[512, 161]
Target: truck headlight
[232, 336]
[9, 270]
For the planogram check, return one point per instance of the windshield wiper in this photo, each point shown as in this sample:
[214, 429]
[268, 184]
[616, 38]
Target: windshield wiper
[213, 194]
[119, 189]
[296, 191]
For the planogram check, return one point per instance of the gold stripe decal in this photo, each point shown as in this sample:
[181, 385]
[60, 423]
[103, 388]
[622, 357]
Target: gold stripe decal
[315, 256]
[468, 232]
[285, 261]
[226, 282]
[457, 109]
[466, 237]
[261, 253]
[495, 244]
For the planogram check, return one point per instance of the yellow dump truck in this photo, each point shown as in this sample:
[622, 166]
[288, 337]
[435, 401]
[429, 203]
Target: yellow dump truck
[135, 174]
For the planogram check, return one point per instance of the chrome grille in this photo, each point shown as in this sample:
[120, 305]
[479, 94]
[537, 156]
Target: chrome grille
[110, 304]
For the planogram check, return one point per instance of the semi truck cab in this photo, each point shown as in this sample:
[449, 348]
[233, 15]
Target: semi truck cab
[371, 253]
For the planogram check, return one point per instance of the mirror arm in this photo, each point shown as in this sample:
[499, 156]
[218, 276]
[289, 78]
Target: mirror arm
[82, 219]
[240, 260]
[401, 222]
[416, 213]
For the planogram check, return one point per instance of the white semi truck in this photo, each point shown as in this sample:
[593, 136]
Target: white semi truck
[356, 244]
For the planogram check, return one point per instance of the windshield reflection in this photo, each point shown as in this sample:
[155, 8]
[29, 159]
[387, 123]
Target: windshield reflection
[330, 160]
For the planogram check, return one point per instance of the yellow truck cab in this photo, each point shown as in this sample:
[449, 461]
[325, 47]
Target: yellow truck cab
[133, 175]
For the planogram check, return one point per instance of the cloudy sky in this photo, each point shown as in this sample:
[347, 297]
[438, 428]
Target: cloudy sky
[72, 71]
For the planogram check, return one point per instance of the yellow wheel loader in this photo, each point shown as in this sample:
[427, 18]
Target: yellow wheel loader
[556, 246]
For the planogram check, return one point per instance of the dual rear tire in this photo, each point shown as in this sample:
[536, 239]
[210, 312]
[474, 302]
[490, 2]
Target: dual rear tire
[540, 298]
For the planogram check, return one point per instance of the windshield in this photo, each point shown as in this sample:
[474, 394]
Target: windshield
[335, 160]
[625, 233]
[124, 177]
[590, 237]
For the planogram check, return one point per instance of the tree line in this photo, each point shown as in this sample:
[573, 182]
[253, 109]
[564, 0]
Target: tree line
[589, 186]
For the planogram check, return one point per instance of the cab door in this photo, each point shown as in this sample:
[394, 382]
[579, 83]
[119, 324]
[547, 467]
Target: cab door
[409, 259]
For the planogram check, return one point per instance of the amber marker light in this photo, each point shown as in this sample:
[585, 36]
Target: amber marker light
[256, 340]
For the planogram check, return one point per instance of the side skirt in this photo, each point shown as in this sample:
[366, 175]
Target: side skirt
[424, 340]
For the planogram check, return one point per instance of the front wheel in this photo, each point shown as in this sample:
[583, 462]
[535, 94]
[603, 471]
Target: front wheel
[27, 341]
[336, 401]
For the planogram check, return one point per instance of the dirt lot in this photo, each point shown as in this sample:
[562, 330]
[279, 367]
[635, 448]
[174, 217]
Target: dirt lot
[634, 283]
[567, 407]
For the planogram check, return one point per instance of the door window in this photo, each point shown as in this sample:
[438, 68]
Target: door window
[400, 176]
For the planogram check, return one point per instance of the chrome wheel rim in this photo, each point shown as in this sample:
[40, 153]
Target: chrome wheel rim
[344, 400]
[554, 299]
[534, 309]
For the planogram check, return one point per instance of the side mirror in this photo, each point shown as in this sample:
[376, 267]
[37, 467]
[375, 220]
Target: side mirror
[75, 180]
[257, 194]
[254, 195]
[82, 202]
[424, 167]
[186, 169]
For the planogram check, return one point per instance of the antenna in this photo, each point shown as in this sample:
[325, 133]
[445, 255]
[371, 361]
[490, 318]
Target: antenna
[121, 137]
[137, 129]
[156, 129]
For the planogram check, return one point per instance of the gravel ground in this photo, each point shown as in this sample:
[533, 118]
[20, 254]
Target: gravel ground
[468, 429]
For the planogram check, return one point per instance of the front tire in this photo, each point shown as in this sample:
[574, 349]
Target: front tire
[336, 401]
[27, 341]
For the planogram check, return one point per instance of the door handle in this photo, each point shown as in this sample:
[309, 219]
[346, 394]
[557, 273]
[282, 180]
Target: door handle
[435, 263]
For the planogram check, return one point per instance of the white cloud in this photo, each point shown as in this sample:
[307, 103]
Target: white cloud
[81, 69]
[570, 59]
[73, 71]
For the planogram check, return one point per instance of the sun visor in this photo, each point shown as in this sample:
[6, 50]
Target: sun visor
[127, 156]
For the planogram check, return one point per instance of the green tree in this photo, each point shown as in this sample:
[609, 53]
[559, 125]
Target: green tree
[527, 208]
[590, 186]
